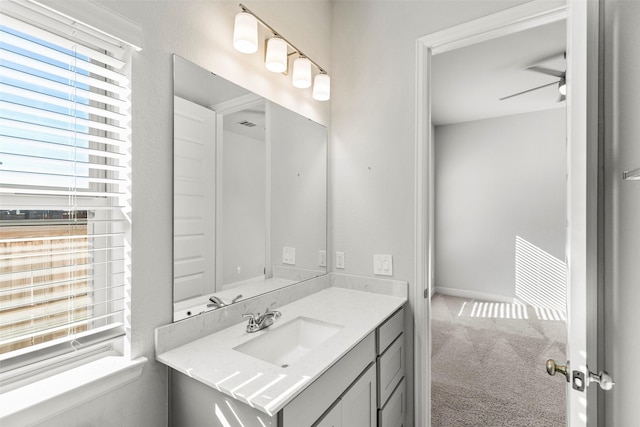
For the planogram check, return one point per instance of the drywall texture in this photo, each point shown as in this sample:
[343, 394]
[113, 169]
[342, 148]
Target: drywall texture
[500, 190]
[621, 211]
[243, 204]
[372, 180]
[201, 32]
[298, 187]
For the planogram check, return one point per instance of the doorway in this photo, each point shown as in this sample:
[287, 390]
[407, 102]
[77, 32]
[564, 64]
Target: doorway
[582, 146]
[499, 294]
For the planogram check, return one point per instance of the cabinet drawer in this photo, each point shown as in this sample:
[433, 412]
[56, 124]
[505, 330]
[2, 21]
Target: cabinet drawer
[392, 414]
[389, 330]
[390, 369]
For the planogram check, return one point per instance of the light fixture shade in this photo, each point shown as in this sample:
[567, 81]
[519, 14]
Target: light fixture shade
[276, 59]
[322, 87]
[301, 73]
[245, 33]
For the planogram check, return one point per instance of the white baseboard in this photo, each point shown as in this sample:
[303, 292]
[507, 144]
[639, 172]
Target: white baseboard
[483, 296]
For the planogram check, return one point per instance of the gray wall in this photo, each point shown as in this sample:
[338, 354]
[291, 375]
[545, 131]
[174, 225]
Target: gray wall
[298, 187]
[372, 181]
[243, 203]
[622, 211]
[496, 180]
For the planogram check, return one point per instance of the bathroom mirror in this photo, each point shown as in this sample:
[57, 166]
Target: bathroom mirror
[249, 193]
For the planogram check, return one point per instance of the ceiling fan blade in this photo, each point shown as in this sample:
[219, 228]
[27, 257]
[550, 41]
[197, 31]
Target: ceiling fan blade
[547, 71]
[527, 91]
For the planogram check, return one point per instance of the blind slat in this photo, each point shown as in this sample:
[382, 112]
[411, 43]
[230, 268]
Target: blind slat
[72, 291]
[117, 314]
[70, 92]
[65, 119]
[72, 58]
[116, 279]
[32, 145]
[38, 97]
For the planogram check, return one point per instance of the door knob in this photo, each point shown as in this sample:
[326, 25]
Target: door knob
[603, 379]
[552, 368]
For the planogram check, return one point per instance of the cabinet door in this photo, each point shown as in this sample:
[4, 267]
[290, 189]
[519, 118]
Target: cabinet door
[333, 418]
[359, 402]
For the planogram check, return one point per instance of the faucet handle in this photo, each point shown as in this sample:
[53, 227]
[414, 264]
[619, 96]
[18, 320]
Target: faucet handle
[252, 317]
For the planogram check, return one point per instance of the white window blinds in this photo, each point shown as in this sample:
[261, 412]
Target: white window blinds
[64, 184]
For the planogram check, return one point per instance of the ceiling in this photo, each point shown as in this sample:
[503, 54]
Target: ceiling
[469, 82]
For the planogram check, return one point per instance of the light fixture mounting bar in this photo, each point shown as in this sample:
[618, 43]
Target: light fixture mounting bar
[275, 33]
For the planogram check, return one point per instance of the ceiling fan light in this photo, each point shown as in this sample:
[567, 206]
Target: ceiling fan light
[245, 33]
[562, 87]
[276, 58]
[301, 73]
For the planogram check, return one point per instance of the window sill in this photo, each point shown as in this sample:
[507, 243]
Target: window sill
[46, 398]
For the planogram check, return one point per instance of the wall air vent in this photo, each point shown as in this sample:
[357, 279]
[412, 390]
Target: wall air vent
[247, 124]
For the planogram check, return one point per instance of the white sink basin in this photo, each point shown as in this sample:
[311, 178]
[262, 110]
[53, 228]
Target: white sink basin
[284, 344]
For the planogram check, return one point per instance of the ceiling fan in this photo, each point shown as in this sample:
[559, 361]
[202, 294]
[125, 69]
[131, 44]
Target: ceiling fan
[562, 82]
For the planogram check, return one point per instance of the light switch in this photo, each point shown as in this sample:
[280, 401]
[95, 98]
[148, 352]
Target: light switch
[322, 258]
[288, 255]
[339, 259]
[383, 265]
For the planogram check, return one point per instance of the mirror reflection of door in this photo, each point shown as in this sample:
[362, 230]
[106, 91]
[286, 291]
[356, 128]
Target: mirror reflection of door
[499, 307]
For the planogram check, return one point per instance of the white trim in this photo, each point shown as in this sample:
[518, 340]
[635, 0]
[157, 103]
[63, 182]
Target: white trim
[483, 296]
[509, 21]
[49, 397]
[98, 18]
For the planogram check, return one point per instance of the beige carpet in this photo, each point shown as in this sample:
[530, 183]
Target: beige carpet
[488, 364]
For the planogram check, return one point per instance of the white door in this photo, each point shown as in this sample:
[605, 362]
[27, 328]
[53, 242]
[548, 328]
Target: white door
[582, 209]
[582, 134]
[193, 199]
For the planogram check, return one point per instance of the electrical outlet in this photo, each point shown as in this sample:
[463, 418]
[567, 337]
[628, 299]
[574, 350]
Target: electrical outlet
[288, 255]
[238, 270]
[383, 265]
[339, 259]
[322, 258]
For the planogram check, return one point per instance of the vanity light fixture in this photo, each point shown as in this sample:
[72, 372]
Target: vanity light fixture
[301, 73]
[276, 58]
[245, 33]
[245, 40]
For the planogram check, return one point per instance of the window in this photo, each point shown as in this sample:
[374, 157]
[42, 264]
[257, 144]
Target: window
[64, 185]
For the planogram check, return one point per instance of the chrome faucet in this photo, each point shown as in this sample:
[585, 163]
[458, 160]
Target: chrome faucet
[217, 302]
[259, 321]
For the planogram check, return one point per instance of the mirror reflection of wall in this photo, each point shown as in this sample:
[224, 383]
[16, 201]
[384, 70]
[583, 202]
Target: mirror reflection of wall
[250, 195]
[243, 224]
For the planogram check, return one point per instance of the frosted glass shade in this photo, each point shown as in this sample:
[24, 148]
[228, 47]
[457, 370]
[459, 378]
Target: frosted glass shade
[301, 73]
[245, 33]
[276, 58]
[322, 87]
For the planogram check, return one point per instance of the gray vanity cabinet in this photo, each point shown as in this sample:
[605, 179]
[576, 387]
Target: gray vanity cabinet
[364, 388]
[390, 365]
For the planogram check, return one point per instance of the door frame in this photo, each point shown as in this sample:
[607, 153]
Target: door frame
[509, 21]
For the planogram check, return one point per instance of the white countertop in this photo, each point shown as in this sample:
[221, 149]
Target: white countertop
[267, 387]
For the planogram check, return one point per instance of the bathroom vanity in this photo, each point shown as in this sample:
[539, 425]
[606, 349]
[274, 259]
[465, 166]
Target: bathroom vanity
[334, 358]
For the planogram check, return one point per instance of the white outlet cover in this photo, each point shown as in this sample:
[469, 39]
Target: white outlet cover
[339, 259]
[322, 258]
[288, 255]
